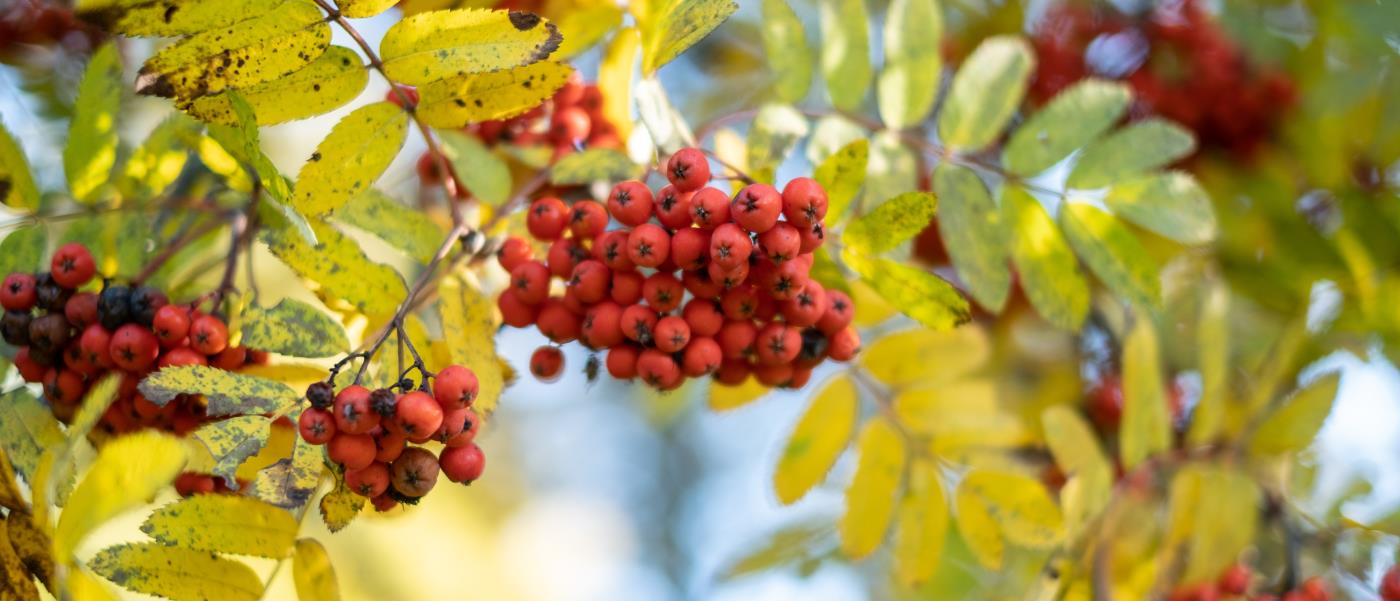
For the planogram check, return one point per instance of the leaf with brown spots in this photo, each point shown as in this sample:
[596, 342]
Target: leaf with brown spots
[225, 524]
[33, 547]
[16, 583]
[232, 441]
[177, 573]
[341, 505]
[293, 328]
[169, 18]
[469, 318]
[360, 9]
[290, 482]
[27, 428]
[227, 393]
[351, 158]
[457, 101]
[342, 276]
[329, 82]
[404, 228]
[437, 45]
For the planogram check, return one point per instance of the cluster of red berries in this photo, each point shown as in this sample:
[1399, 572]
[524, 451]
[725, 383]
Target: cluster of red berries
[1105, 402]
[38, 23]
[1179, 62]
[1390, 584]
[369, 433]
[1234, 583]
[694, 283]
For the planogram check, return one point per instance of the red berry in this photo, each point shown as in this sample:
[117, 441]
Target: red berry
[530, 282]
[702, 356]
[672, 334]
[703, 316]
[630, 203]
[571, 93]
[838, 314]
[569, 124]
[736, 338]
[690, 248]
[811, 238]
[663, 292]
[133, 348]
[709, 207]
[648, 245]
[1390, 585]
[1235, 581]
[208, 334]
[417, 416]
[1314, 589]
[96, 344]
[732, 372]
[547, 218]
[564, 255]
[658, 369]
[602, 325]
[316, 426]
[673, 207]
[462, 464]
[63, 386]
[786, 281]
[370, 481]
[230, 358]
[30, 370]
[622, 361]
[730, 246]
[388, 446]
[844, 345]
[353, 411]
[800, 376]
[181, 355]
[171, 324]
[639, 323]
[455, 387]
[740, 302]
[808, 307]
[777, 343]
[546, 363]
[626, 287]
[397, 96]
[17, 292]
[728, 278]
[588, 219]
[611, 249]
[354, 451]
[757, 207]
[699, 283]
[72, 265]
[804, 202]
[383, 503]
[454, 421]
[429, 169]
[81, 310]
[414, 473]
[780, 243]
[514, 312]
[591, 281]
[189, 484]
[557, 322]
[513, 252]
[688, 170]
[471, 428]
[773, 376]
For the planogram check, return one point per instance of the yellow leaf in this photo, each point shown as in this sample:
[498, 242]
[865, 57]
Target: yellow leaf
[677, 26]
[615, 79]
[870, 498]
[918, 293]
[164, 19]
[160, 159]
[177, 573]
[985, 92]
[1020, 505]
[1293, 425]
[1146, 427]
[817, 440]
[1072, 442]
[294, 329]
[433, 46]
[227, 393]
[842, 175]
[360, 9]
[95, 404]
[925, 408]
[964, 432]
[91, 150]
[893, 222]
[1085, 494]
[469, 319]
[340, 506]
[224, 524]
[343, 276]
[16, 179]
[351, 158]
[923, 524]
[17, 584]
[457, 101]
[1048, 269]
[584, 26]
[232, 441]
[724, 398]
[27, 428]
[1213, 344]
[290, 482]
[262, 49]
[329, 82]
[128, 471]
[83, 587]
[296, 375]
[313, 573]
[1213, 511]
[33, 546]
[978, 529]
[923, 356]
[871, 308]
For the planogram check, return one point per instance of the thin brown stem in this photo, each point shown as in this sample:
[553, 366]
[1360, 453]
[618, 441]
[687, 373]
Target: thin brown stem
[243, 227]
[171, 249]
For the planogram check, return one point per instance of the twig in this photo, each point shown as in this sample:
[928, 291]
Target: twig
[242, 228]
[744, 177]
[175, 246]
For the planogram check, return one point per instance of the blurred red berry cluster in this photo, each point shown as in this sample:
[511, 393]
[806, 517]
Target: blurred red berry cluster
[38, 23]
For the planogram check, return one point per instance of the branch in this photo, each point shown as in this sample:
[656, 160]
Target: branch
[175, 246]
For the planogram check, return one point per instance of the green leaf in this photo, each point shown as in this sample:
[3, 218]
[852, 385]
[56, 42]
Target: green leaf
[343, 276]
[919, 294]
[483, 172]
[1293, 425]
[1075, 117]
[402, 227]
[471, 318]
[227, 393]
[974, 233]
[177, 573]
[1048, 271]
[1171, 204]
[845, 51]
[908, 85]
[312, 572]
[678, 25]
[817, 440]
[1213, 352]
[23, 249]
[1112, 252]
[827, 273]
[892, 170]
[593, 165]
[27, 429]
[351, 158]
[1131, 151]
[232, 441]
[293, 328]
[985, 93]
[841, 175]
[128, 471]
[870, 498]
[92, 136]
[830, 135]
[17, 189]
[157, 163]
[457, 101]
[224, 524]
[329, 82]
[435, 45]
[1146, 428]
[892, 223]
[775, 131]
[922, 526]
[785, 46]
[290, 481]
[360, 9]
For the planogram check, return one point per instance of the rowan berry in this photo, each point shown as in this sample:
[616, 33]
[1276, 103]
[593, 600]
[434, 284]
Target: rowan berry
[15, 327]
[728, 278]
[626, 287]
[513, 252]
[672, 334]
[591, 281]
[673, 207]
[611, 249]
[171, 325]
[732, 372]
[370, 481]
[777, 343]
[630, 203]
[530, 282]
[415, 472]
[774, 376]
[703, 316]
[800, 376]
[145, 302]
[663, 292]
[63, 386]
[388, 445]
[838, 314]
[317, 426]
[557, 322]
[602, 325]
[729, 247]
[757, 207]
[321, 395]
[455, 387]
[569, 124]
[72, 265]
[1235, 580]
[547, 218]
[1390, 585]
[81, 309]
[639, 323]
[622, 361]
[811, 238]
[688, 169]
[546, 363]
[454, 421]
[740, 302]
[133, 348]
[564, 255]
[786, 281]
[49, 295]
[190, 484]
[354, 451]
[808, 307]
[462, 464]
[658, 369]
[690, 248]
[29, 370]
[844, 344]
[230, 359]
[588, 219]
[472, 426]
[804, 202]
[736, 338]
[417, 416]
[17, 292]
[114, 307]
[648, 245]
[1314, 589]
[571, 93]
[208, 334]
[780, 243]
[709, 208]
[702, 356]
[75, 359]
[699, 284]
[180, 356]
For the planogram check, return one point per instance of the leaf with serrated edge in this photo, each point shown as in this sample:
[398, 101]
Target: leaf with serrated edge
[593, 165]
[845, 51]
[343, 277]
[943, 355]
[17, 189]
[232, 441]
[289, 482]
[16, 583]
[313, 573]
[437, 45]
[404, 228]
[974, 233]
[351, 158]
[922, 526]
[894, 222]
[1020, 505]
[985, 93]
[170, 19]
[1146, 427]
[128, 471]
[1075, 117]
[458, 101]
[1170, 204]
[92, 136]
[842, 175]
[789, 57]
[326, 84]
[177, 573]
[471, 317]
[33, 546]
[679, 25]
[1131, 151]
[817, 440]
[27, 428]
[1296, 422]
[1112, 252]
[870, 498]
[224, 524]
[908, 85]
[482, 171]
[920, 294]
[1048, 270]
[227, 393]
[293, 328]
[340, 506]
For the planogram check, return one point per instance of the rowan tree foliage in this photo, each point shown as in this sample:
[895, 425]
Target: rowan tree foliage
[1062, 306]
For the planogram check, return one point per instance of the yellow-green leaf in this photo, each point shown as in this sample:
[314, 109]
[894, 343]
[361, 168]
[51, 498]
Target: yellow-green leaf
[1146, 427]
[1112, 252]
[261, 49]
[457, 101]
[437, 45]
[91, 150]
[343, 277]
[99, 396]
[908, 84]
[922, 527]
[893, 168]
[978, 528]
[1213, 515]
[678, 25]
[615, 79]
[1083, 497]
[1020, 505]
[157, 163]
[789, 545]
[870, 498]
[593, 165]
[775, 130]
[827, 273]
[1131, 151]
[293, 328]
[27, 428]
[1171, 204]
[842, 175]
[985, 93]
[170, 18]
[224, 524]
[947, 407]
[17, 189]
[227, 393]
[974, 233]
[329, 82]
[404, 228]
[926, 356]
[471, 318]
[1048, 270]
[1072, 442]
[290, 481]
[177, 573]
[1213, 354]
[785, 46]
[482, 171]
[128, 471]
[845, 51]
[340, 506]
[817, 440]
[313, 573]
[892, 223]
[1296, 422]
[360, 9]
[23, 249]
[351, 158]
[725, 398]
[1075, 117]
[232, 441]
[584, 26]
[10, 496]
[920, 294]
[15, 582]
[830, 134]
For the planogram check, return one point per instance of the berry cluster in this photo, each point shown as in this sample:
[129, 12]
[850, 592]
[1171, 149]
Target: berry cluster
[1235, 584]
[369, 432]
[38, 23]
[694, 283]
[69, 338]
[1390, 584]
